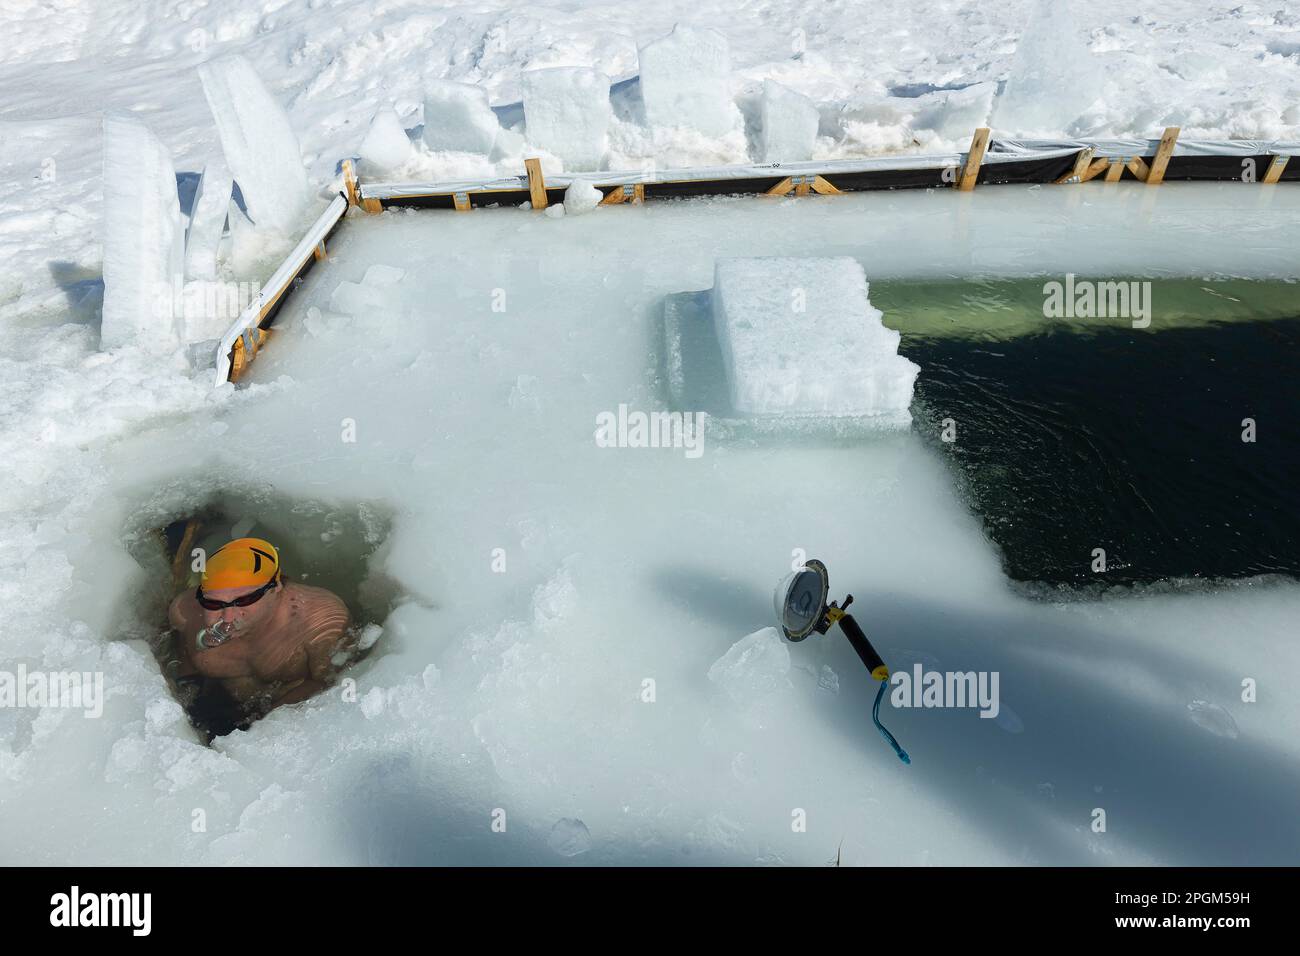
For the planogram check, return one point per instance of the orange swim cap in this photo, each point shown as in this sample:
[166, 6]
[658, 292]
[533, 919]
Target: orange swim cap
[243, 563]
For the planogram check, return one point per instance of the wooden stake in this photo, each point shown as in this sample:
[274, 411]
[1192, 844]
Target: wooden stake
[1115, 171]
[970, 173]
[462, 202]
[1275, 169]
[821, 186]
[319, 251]
[802, 185]
[1163, 152]
[372, 205]
[1081, 164]
[350, 182]
[536, 184]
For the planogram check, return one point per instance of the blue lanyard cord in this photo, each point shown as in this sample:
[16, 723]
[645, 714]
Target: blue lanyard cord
[875, 715]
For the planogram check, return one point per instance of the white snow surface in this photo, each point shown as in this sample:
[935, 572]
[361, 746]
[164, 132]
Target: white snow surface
[800, 337]
[513, 690]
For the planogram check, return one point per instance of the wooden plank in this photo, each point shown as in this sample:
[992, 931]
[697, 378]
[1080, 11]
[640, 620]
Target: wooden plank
[241, 359]
[1275, 169]
[970, 172]
[1138, 167]
[638, 193]
[1098, 167]
[350, 181]
[781, 188]
[803, 186]
[614, 197]
[536, 184]
[1081, 164]
[823, 187]
[1163, 152]
[372, 205]
[461, 201]
[1115, 171]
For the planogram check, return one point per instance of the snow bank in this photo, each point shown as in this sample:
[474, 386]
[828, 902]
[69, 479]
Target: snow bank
[567, 114]
[260, 145]
[790, 123]
[800, 337]
[686, 81]
[143, 240]
[457, 117]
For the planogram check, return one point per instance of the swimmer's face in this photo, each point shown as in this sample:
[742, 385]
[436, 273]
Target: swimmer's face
[244, 618]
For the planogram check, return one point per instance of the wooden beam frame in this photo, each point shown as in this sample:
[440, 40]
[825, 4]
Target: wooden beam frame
[628, 192]
[782, 188]
[1081, 164]
[824, 188]
[1098, 167]
[1166, 149]
[1139, 168]
[350, 183]
[970, 172]
[1275, 169]
[536, 183]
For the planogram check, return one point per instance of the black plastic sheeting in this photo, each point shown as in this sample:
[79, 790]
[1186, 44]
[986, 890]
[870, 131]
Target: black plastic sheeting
[1026, 171]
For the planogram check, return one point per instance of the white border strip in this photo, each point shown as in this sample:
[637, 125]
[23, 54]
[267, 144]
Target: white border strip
[275, 285]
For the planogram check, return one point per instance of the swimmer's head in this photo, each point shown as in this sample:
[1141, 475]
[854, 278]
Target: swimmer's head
[240, 583]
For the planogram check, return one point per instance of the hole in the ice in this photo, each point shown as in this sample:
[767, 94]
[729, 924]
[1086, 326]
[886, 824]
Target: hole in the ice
[328, 552]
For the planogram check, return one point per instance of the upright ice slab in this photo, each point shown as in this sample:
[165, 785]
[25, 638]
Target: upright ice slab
[799, 337]
[143, 240]
[260, 145]
[790, 122]
[686, 81]
[1054, 76]
[566, 110]
[457, 117]
[208, 220]
[386, 146]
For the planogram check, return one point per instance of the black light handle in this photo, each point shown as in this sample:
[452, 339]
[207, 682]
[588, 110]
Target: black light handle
[863, 646]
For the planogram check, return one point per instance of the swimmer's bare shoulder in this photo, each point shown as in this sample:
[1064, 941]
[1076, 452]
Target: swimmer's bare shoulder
[319, 620]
